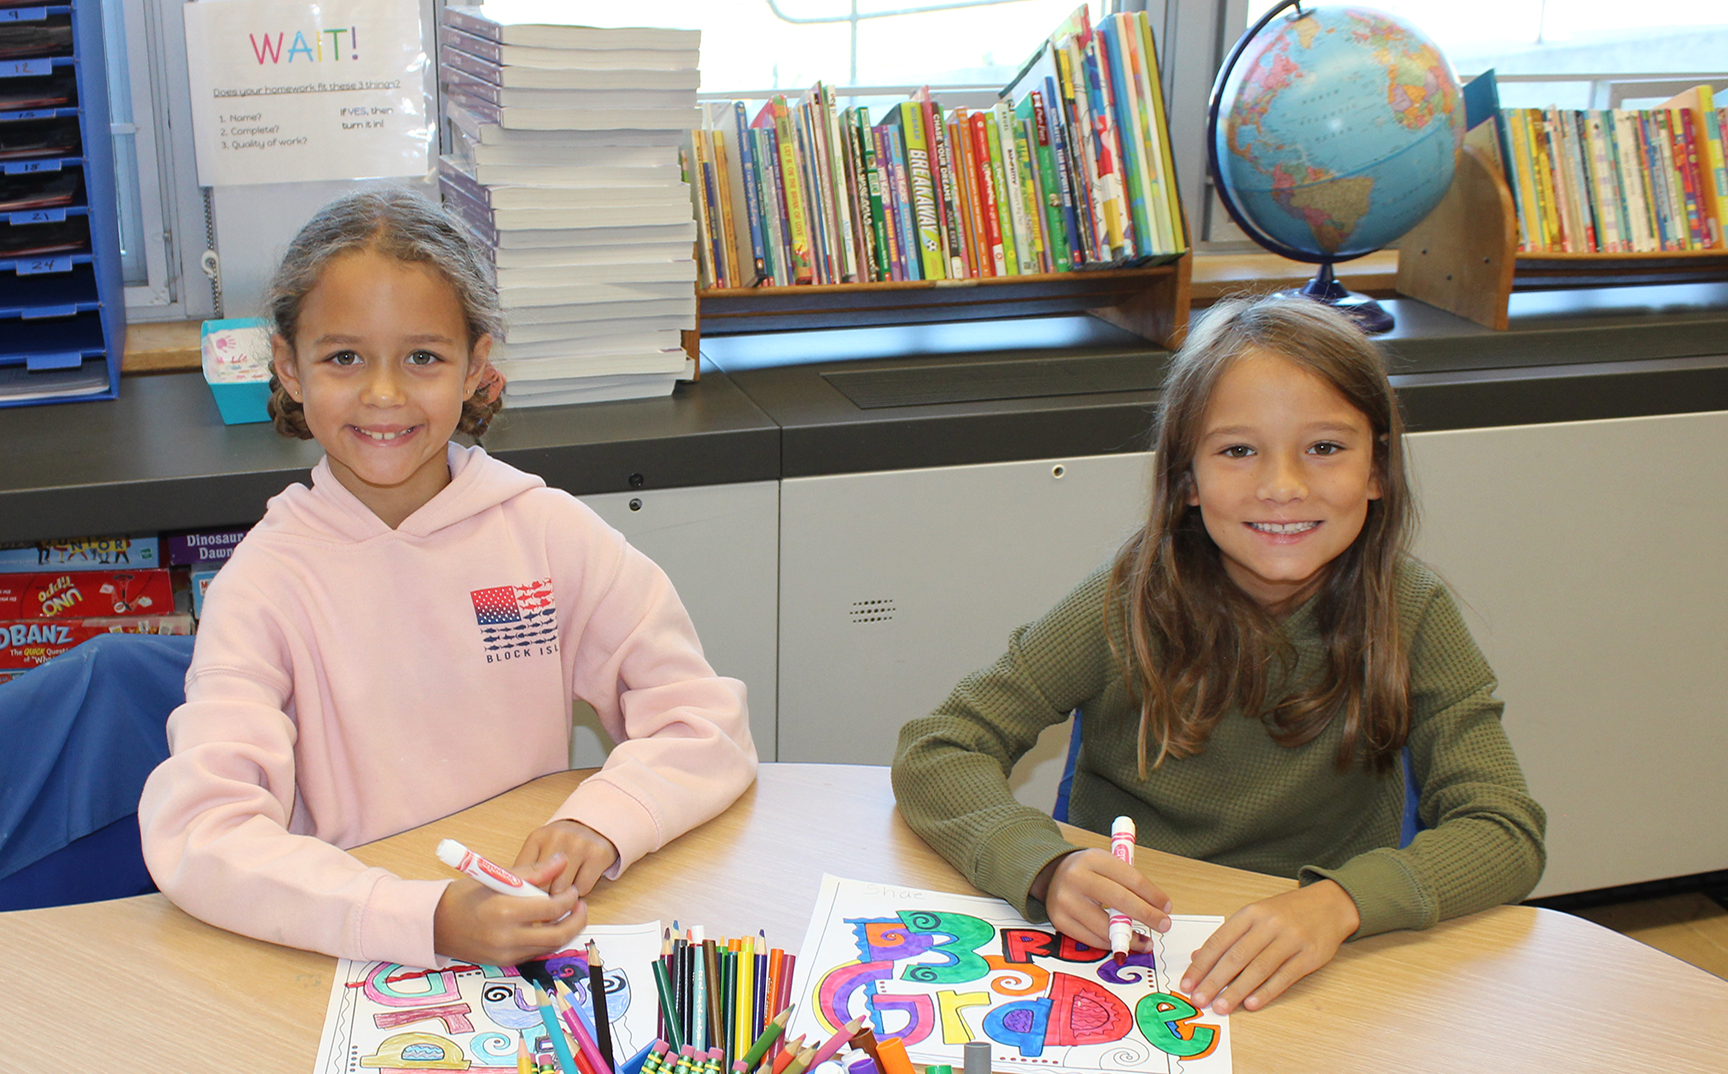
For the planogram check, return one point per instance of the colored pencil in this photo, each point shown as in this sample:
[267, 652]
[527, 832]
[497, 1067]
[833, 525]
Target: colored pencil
[832, 1045]
[581, 1028]
[668, 1009]
[560, 1047]
[597, 993]
[775, 1027]
[524, 1065]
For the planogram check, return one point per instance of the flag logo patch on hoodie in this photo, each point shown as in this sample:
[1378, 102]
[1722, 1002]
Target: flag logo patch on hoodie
[516, 620]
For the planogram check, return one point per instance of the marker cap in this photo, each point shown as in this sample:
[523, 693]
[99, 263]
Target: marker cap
[977, 1057]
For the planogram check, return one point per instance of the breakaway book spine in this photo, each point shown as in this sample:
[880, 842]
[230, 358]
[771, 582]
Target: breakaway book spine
[951, 218]
[905, 219]
[996, 263]
[1055, 189]
[872, 172]
[797, 215]
[931, 258]
[741, 133]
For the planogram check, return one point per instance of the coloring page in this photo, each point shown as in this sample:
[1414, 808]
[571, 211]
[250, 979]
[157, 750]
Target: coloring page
[386, 1016]
[937, 970]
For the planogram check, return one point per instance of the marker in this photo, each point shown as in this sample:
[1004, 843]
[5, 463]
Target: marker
[496, 877]
[1121, 927]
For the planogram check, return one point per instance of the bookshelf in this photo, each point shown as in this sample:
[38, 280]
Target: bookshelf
[1152, 303]
[1464, 257]
[62, 306]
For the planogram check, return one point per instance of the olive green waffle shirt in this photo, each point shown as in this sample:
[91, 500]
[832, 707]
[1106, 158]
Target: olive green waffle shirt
[1245, 801]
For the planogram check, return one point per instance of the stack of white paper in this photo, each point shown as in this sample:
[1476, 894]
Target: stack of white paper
[565, 162]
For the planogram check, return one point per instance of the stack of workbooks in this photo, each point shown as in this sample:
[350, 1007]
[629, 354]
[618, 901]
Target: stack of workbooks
[565, 163]
[1070, 169]
[1620, 180]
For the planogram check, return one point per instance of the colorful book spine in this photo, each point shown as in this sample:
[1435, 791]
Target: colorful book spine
[952, 222]
[926, 223]
[1007, 157]
[741, 135]
[1692, 178]
[815, 198]
[1607, 190]
[1718, 181]
[1053, 193]
[1584, 185]
[1125, 120]
[797, 214]
[906, 217]
[845, 201]
[720, 162]
[1076, 217]
[1167, 205]
[1029, 195]
[997, 262]
[1659, 153]
[966, 188]
[994, 164]
[872, 173]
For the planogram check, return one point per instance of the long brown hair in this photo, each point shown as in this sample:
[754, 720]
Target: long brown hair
[404, 226]
[1197, 646]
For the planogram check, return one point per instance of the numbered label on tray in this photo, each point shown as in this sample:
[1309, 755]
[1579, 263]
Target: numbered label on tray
[23, 14]
[31, 167]
[37, 266]
[21, 68]
[37, 216]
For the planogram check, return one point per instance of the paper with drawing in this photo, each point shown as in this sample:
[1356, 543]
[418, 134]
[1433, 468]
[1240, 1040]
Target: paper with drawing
[937, 970]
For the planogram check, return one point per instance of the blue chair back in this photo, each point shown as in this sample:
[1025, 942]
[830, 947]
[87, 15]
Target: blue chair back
[81, 733]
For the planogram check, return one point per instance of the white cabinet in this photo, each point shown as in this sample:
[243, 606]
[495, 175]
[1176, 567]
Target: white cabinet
[894, 585]
[718, 545]
[1591, 559]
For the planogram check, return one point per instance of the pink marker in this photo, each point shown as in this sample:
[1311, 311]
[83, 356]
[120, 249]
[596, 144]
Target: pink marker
[1121, 928]
[496, 877]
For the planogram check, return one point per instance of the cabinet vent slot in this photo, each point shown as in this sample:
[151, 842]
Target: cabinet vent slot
[871, 611]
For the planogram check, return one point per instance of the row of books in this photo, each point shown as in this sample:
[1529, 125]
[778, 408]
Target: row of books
[564, 163]
[1620, 180]
[1071, 168]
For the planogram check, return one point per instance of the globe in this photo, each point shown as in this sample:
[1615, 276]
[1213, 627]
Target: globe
[1333, 131]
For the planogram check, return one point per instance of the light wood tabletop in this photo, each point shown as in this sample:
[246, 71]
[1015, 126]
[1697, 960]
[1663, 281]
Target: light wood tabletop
[135, 985]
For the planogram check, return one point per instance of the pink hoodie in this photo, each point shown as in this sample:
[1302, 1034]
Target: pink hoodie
[352, 681]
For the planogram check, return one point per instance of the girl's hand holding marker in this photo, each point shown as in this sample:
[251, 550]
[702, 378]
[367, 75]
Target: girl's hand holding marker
[471, 924]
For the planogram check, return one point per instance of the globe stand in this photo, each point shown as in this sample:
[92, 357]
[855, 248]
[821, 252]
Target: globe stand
[1369, 315]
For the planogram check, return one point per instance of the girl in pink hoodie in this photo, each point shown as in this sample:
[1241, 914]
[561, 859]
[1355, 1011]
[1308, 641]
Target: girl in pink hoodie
[405, 638]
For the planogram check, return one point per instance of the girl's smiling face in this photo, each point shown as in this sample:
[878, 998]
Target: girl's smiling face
[381, 363]
[1283, 473]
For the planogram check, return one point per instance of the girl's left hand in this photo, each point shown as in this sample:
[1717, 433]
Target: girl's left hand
[1269, 945]
[587, 854]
